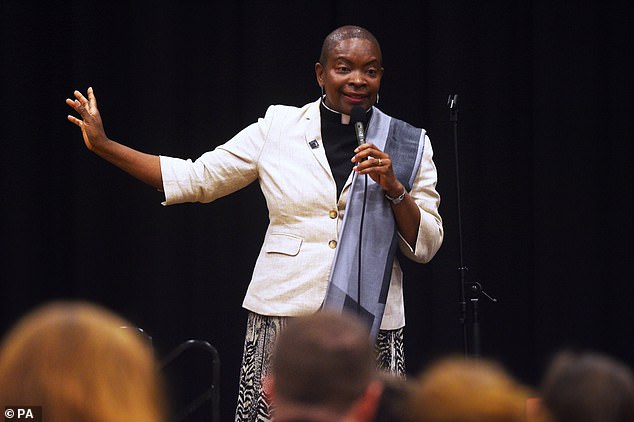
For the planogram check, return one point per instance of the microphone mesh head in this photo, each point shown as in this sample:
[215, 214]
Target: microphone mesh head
[357, 114]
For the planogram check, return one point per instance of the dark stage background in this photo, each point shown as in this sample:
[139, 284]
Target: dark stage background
[545, 133]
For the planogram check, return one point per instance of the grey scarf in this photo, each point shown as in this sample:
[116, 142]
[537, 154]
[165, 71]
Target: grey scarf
[404, 143]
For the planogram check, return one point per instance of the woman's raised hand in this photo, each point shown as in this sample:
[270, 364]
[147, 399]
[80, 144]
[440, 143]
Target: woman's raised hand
[90, 122]
[145, 167]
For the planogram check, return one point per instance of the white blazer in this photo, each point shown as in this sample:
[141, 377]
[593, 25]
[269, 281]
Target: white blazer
[284, 152]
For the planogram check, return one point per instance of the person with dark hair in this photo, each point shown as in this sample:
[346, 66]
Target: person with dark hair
[587, 387]
[323, 179]
[77, 362]
[323, 369]
[395, 396]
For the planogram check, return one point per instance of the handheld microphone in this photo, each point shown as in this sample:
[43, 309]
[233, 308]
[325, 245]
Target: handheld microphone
[357, 115]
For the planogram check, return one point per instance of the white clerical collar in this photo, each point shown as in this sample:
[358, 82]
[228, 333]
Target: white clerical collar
[345, 118]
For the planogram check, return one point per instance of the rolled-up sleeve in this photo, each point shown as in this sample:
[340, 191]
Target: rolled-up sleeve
[217, 173]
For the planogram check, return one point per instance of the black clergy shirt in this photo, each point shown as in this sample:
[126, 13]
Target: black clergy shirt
[339, 141]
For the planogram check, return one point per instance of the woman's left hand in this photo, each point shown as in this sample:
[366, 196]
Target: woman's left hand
[372, 161]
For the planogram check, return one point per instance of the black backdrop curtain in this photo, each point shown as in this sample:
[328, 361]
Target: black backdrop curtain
[544, 132]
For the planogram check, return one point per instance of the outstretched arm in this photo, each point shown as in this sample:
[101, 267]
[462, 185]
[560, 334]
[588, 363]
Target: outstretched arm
[145, 167]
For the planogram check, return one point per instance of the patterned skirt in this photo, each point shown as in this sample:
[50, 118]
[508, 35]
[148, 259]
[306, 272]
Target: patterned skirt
[261, 334]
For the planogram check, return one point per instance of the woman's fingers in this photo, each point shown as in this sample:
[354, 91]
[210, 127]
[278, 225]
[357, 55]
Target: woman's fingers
[76, 105]
[91, 98]
[83, 100]
[370, 156]
[73, 103]
[383, 162]
[74, 120]
[79, 106]
[372, 164]
[86, 107]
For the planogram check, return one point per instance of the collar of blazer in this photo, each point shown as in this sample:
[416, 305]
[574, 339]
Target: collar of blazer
[312, 134]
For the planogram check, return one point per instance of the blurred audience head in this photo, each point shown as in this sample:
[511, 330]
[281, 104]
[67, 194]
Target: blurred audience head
[323, 368]
[75, 360]
[393, 403]
[463, 389]
[587, 387]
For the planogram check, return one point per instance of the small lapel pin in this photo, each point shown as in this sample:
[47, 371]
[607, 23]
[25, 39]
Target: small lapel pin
[314, 144]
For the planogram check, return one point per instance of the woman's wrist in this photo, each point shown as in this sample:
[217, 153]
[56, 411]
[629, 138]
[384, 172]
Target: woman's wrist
[397, 197]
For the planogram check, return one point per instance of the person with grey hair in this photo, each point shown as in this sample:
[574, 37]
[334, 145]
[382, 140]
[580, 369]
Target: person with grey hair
[587, 387]
[324, 178]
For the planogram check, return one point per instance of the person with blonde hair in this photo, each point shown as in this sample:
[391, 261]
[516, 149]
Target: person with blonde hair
[465, 389]
[78, 362]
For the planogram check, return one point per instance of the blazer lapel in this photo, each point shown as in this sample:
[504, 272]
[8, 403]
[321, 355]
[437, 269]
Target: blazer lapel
[313, 136]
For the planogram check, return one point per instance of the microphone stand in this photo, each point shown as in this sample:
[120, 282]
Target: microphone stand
[470, 290]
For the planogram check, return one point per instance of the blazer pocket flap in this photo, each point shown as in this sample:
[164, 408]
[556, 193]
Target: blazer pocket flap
[286, 244]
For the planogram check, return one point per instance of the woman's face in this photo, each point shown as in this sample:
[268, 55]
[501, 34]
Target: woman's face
[351, 75]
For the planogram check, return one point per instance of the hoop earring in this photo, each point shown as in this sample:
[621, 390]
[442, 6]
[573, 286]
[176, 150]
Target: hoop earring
[377, 98]
[323, 94]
